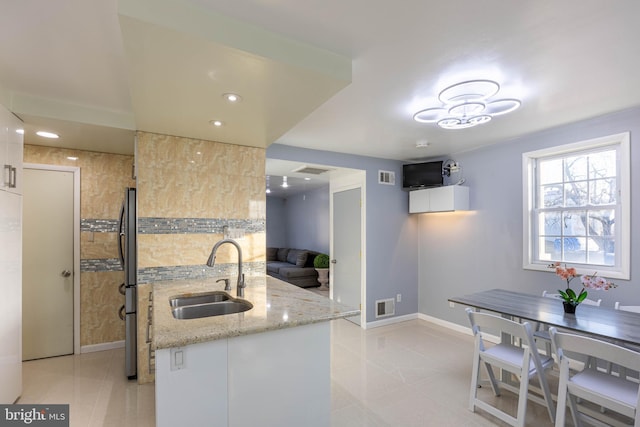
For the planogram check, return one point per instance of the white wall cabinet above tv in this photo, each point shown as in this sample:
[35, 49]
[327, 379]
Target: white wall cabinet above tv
[439, 199]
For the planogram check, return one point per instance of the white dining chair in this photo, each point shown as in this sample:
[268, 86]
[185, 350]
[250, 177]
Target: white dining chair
[632, 308]
[616, 393]
[524, 362]
[623, 371]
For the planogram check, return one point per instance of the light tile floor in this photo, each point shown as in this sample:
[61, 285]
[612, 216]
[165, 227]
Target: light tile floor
[409, 374]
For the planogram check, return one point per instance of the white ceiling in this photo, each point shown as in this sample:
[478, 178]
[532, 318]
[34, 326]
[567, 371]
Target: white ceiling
[336, 75]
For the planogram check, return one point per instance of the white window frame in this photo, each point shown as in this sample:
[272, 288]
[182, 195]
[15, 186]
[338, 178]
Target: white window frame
[621, 269]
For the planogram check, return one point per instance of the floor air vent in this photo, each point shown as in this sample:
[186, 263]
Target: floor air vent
[385, 307]
[386, 177]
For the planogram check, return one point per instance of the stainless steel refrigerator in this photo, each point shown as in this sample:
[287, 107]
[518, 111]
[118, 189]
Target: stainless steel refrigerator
[129, 260]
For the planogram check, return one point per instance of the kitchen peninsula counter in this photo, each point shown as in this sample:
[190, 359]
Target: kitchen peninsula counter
[275, 356]
[276, 305]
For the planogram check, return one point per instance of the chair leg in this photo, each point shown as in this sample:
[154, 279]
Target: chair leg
[475, 375]
[561, 409]
[546, 392]
[521, 415]
[573, 406]
[492, 379]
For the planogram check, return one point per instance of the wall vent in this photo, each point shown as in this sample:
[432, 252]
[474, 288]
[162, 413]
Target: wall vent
[385, 307]
[311, 170]
[386, 177]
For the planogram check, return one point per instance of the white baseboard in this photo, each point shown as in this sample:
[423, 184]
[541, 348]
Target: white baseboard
[458, 328]
[101, 347]
[390, 321]
[446, 324]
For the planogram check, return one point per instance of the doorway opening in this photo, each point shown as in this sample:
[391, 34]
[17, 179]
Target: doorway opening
[302, 216]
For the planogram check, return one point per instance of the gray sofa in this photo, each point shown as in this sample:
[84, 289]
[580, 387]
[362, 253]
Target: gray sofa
[293, 265]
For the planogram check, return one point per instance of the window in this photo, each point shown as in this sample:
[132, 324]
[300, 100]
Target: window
[577, 206]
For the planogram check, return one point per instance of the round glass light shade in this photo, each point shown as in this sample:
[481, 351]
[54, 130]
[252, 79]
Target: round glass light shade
[430, 115]
[478, 120]
[453, 123]
[472, 90]
[467, 109]
[502, 106]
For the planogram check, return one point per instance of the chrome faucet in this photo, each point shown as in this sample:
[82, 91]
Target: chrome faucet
[212, 261]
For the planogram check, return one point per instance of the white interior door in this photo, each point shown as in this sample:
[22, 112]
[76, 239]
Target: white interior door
[48, 263]
[346, 264]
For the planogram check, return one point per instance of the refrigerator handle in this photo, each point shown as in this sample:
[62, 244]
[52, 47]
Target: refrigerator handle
[121, 234]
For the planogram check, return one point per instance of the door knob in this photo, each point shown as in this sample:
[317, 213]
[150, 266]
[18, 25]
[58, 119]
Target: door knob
[65, 273]
[333, 261]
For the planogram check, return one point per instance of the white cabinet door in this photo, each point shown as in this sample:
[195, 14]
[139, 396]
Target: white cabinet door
[419, 201]
[439, 199]
[191, 385]
[11, 289]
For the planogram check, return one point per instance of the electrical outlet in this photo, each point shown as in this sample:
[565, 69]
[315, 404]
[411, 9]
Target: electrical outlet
[399, 298]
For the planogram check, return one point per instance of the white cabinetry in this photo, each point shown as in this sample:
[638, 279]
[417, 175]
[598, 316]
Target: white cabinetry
[11, 148]
[10, 260]
[439, 199]
[269, 379]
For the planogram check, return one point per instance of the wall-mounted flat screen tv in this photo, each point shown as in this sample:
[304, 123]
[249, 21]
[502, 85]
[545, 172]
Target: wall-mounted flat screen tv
[422, 175]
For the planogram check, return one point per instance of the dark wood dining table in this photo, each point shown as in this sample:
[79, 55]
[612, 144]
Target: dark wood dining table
[621, 327]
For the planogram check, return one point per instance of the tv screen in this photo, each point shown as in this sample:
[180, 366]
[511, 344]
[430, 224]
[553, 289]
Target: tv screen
[422, 175]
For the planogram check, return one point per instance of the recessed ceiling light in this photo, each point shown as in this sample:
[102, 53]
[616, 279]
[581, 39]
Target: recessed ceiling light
[307, 178]
[216, 123]
[47, 134]
[232, 97]
[72, 158]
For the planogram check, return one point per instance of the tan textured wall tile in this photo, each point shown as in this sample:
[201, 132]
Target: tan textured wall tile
[156, 250]
[186, 178]
[99, 304]
[94, 245]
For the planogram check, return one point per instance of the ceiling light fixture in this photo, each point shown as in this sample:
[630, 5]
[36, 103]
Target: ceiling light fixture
[216, 123]
[284, 182]
[47, 134]
[467, 104]
[232, 97]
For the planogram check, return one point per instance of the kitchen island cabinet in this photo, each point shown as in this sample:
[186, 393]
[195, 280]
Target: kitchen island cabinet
[268, 366]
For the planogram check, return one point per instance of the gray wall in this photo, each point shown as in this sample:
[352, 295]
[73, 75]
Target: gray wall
[308, 220]
[482, 249]
[300, 221]
[392, 244]
[276, 222]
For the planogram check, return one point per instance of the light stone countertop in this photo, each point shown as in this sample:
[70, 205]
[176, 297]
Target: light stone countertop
[276, 305]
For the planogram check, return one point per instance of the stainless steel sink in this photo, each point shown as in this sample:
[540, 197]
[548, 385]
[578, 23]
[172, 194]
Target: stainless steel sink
[209, 297]
[198, 311]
